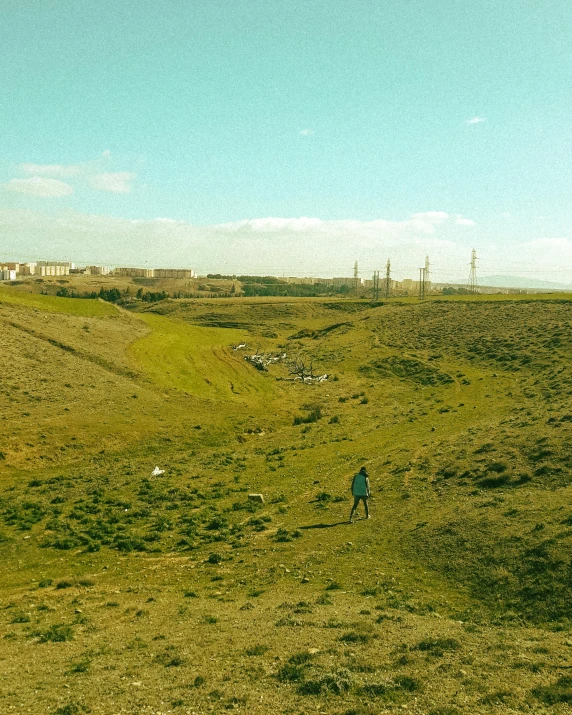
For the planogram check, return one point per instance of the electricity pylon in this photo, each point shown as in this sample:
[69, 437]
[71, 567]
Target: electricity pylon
[473, 273]
[388, 279]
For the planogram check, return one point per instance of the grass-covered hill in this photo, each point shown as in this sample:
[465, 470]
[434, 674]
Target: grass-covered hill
[124, 591]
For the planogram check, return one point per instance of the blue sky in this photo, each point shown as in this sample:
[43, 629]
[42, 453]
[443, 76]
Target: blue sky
[217, 114]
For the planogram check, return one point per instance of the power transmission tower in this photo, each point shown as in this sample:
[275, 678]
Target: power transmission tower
[376, 285]
[427, 279]
[473, 273]
[388, 279]
[421, 283]
[356, 278]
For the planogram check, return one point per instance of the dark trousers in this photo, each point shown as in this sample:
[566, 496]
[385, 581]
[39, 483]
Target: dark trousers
[357, 500]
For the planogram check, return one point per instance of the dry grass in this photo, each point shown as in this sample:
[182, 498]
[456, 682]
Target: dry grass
[124, 592]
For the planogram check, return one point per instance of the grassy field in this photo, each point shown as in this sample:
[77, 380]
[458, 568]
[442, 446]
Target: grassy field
[125, 592]
[52, 304]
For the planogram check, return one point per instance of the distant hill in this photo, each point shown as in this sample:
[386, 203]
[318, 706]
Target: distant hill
[517, 282]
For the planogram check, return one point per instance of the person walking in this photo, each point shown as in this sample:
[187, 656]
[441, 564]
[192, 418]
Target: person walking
[360, 492]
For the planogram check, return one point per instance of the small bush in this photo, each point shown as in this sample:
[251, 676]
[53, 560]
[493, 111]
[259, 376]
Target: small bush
[355, 637]
[64, 584]
[333, 586]
[291, 673]
[168, 659]
[20, 618]
[410, 684]
[214, 559]
[282, 535]
[70, 709]
[300, 658]
[438, 646]
[494, 482]
[257, 650]
[314, 414]
[82, 666]
[58, 633]
[558, 692]
[498, 466]
[336, 683]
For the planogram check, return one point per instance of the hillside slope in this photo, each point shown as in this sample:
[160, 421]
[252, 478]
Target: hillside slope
[128, 592]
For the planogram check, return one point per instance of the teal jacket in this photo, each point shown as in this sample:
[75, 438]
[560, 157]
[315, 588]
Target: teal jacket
[360, 485]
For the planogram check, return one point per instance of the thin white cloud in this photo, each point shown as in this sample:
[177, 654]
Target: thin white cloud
[277, 246]
[421, 222]
[476, 120]
[118, 182]
[106, 154]
[306, 132]
[549, 243]
[464, 221]
[58, 170]
[39, 186]
[264, 245]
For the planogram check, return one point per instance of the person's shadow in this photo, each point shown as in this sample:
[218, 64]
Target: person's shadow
[324, 526]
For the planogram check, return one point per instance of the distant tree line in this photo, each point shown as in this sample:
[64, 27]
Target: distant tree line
[114, 295]
[111, 295]
[252, 287]
[263, 280]
[301, 290]
[449, 290]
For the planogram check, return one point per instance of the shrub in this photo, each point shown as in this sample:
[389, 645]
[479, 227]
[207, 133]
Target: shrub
[81, 666]
[69, 709]
[558, 692]
[58, 633]
[494, 482]
[498, 466]
[333, 586]
[214, 559]
[437, 646]
[257, 650]
[64, 584]
[300, 658]
[20, 618]
[410, 684]
[336, 683]
[355, 637]
[314, 414]
[169, 659]
[282, 535]
[291, 673]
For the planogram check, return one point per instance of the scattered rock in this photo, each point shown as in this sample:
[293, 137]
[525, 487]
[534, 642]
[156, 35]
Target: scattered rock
[256, 497]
